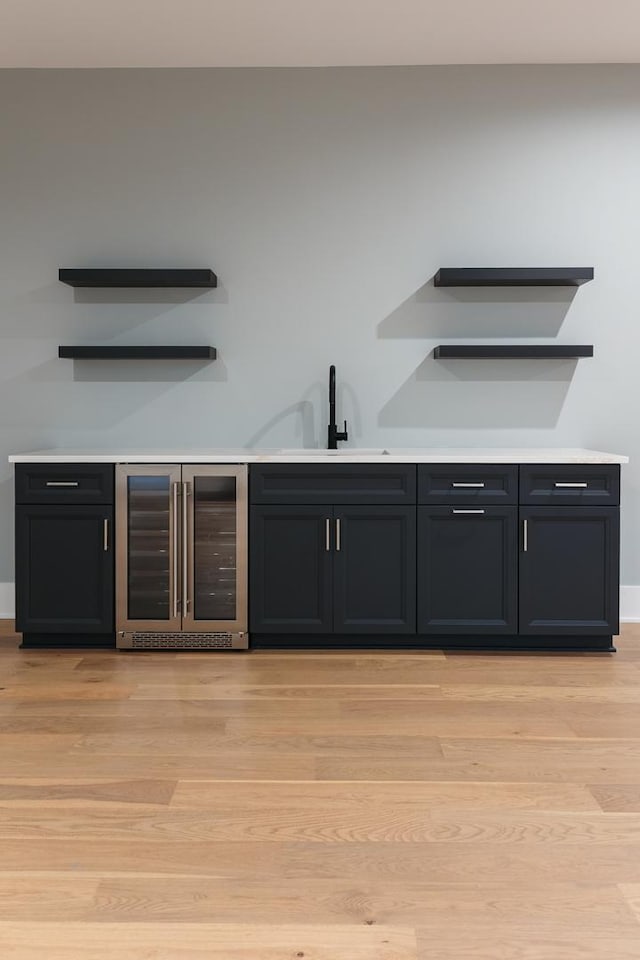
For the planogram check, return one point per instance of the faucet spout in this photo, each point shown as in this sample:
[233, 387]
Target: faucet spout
[333, 433]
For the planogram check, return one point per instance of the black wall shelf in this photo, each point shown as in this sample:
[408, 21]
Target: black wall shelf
[512, 276]
[120, 277]
[524, 352]
[137, 353]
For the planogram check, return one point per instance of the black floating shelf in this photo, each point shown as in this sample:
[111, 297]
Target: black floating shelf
[138, 278]
[524, 352]
[137, 353]
[512, 276]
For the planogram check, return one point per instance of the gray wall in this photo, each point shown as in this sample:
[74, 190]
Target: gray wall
[325, 200]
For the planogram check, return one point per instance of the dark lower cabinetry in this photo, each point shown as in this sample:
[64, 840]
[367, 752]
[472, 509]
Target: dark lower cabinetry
[467, 570]
[467, 566]
[374, 562]
[569, 570]
[332, 570]
[290, 586]
[453, 555]
[64, 556]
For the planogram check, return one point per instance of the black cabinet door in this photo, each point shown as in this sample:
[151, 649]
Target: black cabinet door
[290, 569]
[569, 570]
[467, 570]
[64, 569]
[374, 570]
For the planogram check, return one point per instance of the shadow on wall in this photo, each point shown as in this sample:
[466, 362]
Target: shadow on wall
[171, 295]
[478, 312]
[147, 371]
[100, 406]
[23, 316]
[304, 428]
[481, 393]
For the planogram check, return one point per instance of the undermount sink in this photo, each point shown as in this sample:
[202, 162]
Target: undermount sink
[343, 452]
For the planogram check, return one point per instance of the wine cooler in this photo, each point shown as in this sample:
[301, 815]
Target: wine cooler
[181, 549]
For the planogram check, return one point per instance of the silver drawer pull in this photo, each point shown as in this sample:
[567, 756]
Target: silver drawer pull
[456, 484]
[338, 544]
[525, 535]
[327, 534]
[581, 484]
[105, 534]
[467, 511]
[62, 483]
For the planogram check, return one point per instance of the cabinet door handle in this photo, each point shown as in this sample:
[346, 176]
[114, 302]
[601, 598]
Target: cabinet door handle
[105, 534]
[525, 536]
[456, 484]
[581, 484]
[63, 483]
[327, 534]
[174, 546]
[338, 546]
[467, 511]
[185, 547]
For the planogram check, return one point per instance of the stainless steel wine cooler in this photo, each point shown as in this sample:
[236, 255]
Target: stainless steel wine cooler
[181, 568]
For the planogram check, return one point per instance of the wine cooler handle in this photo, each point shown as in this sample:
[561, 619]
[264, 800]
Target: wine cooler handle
[185, 548]
[174, 547]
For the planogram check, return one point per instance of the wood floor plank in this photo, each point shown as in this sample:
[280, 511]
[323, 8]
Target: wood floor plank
[47, 792]
[85, 765]
[529, 945]
[601, 910]
[444, 862]
[197, 941]
[382, 824]
[595, 692]
[272, 691]
[432, 797]
[406, 726]
[286, 743]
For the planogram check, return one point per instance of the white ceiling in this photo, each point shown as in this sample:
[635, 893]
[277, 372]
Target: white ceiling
[225, 33]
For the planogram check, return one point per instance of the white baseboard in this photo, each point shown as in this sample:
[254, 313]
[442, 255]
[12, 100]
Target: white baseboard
[7, 601]
[629, 603]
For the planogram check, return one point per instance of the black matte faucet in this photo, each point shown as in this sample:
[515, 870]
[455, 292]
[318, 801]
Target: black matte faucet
[334, 433]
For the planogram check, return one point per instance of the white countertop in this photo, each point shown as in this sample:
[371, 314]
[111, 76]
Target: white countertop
[345, 454]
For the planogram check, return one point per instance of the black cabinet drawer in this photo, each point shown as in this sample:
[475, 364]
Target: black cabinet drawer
[326, 483]
[570, 484]
[491, 483]
[64, 483]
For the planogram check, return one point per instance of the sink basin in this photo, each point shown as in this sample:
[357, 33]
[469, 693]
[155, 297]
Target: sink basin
[343, 452]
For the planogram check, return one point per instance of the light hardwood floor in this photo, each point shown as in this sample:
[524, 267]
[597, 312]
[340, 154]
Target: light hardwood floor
[326, 806]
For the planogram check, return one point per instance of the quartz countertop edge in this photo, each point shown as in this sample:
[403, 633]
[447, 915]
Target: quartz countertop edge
[344, 455]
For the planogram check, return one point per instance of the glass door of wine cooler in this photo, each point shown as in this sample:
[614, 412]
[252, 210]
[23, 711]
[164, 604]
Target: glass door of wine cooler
[214, 588]
[181, 552]
[148, 529]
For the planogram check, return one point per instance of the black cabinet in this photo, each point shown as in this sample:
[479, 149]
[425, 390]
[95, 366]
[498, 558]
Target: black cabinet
[64, 569]
[467, 570]
[460, 555]
[332, 570]
[374, 562]
[64, 553]
[359, 484]
[469, 483]
[290, 569]
[569, 570]
[570, 485]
